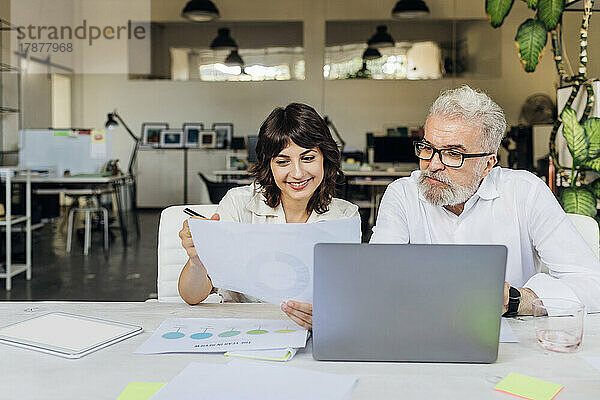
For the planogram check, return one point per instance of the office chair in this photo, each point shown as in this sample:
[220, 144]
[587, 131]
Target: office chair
[171, 255]
[216, 190]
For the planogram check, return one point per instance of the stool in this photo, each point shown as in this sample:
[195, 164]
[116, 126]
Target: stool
[88, 227]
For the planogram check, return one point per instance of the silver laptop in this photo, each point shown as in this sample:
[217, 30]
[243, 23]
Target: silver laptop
[422, 303]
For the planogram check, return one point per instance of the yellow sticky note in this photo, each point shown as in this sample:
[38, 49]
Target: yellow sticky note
[528, 387]
[140, 390]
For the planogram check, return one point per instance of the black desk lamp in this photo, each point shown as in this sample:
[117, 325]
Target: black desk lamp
[330, 124]
[112, 121]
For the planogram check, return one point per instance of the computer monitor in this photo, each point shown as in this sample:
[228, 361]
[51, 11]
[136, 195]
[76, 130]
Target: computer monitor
[394, 149]
[252, 140]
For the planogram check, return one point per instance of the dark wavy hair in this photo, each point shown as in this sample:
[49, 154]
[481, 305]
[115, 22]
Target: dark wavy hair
[302, 125]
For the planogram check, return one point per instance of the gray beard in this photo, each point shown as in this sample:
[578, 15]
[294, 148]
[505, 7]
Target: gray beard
[450, 194]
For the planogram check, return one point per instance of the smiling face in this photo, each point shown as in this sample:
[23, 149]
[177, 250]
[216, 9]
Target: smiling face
[297, 172]
[446, 186]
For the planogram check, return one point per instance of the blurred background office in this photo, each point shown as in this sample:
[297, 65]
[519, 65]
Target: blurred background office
[113, 131]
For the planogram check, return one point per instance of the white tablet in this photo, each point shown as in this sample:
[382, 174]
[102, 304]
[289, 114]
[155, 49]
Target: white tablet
[66, 335]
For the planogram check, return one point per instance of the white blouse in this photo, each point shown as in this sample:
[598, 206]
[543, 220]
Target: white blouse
[246, 204]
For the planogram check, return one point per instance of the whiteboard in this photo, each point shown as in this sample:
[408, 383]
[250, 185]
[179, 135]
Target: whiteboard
[44, 148]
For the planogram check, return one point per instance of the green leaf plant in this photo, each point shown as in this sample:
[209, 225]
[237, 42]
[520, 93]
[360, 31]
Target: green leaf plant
[583, 141]
[581, 134]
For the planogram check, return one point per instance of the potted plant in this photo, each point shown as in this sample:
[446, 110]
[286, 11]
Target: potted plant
[582, 134]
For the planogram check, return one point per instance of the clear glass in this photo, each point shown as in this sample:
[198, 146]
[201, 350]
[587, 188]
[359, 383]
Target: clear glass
[558, 324]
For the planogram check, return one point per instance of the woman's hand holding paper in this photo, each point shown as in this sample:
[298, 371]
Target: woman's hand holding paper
[299, 312]
[186, 240]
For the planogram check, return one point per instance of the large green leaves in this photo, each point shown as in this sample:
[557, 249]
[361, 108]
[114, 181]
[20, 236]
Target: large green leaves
[550, 11]
[531, 3]
[578, 200]
[497, 10]
[595, 187]
[592, 131]
[574, 135]
[593, 164]
[531, 39]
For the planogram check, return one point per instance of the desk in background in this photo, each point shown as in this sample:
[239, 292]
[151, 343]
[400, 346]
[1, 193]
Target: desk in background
[86, 185]
[375, 181]
[104, 374]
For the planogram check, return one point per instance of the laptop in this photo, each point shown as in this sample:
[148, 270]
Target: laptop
[411, 302]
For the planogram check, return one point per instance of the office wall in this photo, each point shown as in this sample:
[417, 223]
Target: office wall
[354, 106]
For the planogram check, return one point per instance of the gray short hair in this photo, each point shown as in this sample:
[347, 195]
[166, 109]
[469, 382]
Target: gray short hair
[475, 108]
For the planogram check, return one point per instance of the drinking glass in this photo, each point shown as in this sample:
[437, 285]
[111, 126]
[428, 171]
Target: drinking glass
[558, 324]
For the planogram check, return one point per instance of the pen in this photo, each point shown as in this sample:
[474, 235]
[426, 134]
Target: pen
[193, 213]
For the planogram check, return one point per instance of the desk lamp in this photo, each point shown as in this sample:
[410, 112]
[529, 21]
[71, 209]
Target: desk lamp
[112, 121]
[330, 124]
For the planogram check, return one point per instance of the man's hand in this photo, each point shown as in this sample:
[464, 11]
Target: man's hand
[506, 296]
[527, 297]
[300, 313]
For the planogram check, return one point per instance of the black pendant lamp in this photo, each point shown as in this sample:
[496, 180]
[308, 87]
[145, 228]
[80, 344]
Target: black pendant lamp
[200, 11]
[410, 9]
[223, 41]
[234, 59]
[381, 38]
[371, 54]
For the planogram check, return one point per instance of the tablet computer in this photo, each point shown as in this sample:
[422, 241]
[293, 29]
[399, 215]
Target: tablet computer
[66, 335]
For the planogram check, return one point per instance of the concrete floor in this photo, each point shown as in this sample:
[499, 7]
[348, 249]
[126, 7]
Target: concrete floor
[119, 274]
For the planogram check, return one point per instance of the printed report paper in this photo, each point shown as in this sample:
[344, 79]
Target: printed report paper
[271, 262]
[206, 335]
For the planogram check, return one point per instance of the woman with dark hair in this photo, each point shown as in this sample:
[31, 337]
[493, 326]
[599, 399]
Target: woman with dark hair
[295, 176]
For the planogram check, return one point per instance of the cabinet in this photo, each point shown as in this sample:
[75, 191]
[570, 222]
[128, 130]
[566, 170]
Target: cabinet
[160, 177]
[166, 177]
[9, 269]
[205, 161]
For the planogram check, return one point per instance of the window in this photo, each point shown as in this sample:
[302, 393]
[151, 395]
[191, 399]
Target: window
[278, 63]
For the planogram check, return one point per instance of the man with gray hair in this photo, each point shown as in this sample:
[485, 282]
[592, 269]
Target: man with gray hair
[460, 197]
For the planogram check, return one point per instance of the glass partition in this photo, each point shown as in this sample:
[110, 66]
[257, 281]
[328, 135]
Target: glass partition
[411, 49]
[236, 51]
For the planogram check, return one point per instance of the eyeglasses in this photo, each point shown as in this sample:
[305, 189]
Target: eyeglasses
[450, 158]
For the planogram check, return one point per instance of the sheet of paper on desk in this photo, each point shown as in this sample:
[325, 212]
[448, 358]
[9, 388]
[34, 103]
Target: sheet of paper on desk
[594, 362]
[205, 335]
[242, 379]
[506, 333]
[273, 262]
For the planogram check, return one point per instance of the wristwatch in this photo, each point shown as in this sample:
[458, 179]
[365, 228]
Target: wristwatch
[514, 298]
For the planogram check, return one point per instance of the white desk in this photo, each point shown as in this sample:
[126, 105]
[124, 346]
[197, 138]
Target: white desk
[374, 180]
[103, 375]
[87, 185]
[363, 174]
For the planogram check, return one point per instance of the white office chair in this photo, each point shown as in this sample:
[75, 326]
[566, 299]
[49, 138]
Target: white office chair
[588, 227]
[171, 255]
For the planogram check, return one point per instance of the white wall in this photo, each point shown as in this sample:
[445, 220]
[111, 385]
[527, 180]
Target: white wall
[355, 106]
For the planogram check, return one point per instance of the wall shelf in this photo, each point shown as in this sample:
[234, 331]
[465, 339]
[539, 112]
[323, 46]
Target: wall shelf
[8, 269]
[12, 110]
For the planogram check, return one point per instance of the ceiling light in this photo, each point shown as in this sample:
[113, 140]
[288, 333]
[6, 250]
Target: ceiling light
[234, 59]
[200, 11]
[381, 38]
[223, 41]
[371, 54]
[410, 9]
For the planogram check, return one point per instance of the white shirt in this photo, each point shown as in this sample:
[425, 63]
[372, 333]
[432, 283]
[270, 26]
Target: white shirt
[246, 204]
[513, 208]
